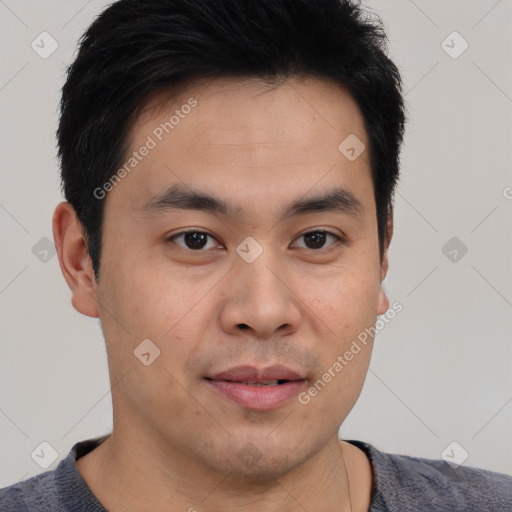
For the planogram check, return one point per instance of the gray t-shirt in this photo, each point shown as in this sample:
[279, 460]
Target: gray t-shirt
[401, 483]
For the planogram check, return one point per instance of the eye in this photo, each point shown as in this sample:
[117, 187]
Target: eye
[193, 240]
[198, 240]
[316, 239]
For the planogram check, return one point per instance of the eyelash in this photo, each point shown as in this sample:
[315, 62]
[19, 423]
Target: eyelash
[338, 238]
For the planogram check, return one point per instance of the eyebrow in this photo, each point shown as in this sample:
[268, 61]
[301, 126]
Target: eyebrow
[178, 196]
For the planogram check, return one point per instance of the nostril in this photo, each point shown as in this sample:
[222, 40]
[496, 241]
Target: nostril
[243, 326]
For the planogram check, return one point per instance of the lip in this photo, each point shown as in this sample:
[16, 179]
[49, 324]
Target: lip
[251, 374]
[258, 398]
[230, 383]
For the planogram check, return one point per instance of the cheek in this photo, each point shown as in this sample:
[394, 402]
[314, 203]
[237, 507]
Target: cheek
[150, 300]
[346, 308]
[154, 305]
[346, 301]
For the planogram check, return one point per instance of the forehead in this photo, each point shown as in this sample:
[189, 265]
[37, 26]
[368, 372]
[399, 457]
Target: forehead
[255, 111]
[249, 138]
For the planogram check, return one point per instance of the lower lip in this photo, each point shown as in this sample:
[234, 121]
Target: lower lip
[258, 398]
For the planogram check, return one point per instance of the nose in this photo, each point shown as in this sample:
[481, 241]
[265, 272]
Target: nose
[259, 297]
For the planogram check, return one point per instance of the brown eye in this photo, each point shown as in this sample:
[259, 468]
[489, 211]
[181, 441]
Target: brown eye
[316, 239]
[193, 240]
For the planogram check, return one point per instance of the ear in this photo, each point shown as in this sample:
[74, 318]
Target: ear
[75, 262]
[383, 302]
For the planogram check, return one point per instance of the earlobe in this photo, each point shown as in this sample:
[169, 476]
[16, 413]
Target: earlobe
[383, 302]
[74, 260]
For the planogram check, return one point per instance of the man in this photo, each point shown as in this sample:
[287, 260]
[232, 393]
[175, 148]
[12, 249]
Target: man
[229, 170]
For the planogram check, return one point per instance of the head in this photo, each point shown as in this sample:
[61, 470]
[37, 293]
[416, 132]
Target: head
[270, 131]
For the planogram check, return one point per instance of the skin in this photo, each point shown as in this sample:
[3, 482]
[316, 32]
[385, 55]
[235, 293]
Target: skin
[175, 441]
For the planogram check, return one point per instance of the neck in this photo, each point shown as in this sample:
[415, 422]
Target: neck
[131, 471]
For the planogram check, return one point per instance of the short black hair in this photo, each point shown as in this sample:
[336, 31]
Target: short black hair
[136, 48]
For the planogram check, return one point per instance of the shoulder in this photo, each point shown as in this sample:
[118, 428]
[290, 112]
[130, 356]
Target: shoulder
[406, 483]
[60, 489]
[36, 493]
[464, 487]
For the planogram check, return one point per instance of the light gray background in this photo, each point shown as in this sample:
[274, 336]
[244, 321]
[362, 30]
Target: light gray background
[441, 370]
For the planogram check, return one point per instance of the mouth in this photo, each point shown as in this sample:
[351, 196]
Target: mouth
[258, 389]
[257, 383]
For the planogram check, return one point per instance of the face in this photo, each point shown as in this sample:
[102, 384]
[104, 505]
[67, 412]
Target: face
[248, 281]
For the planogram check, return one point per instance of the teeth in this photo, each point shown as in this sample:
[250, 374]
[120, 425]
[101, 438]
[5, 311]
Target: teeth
[264, 383]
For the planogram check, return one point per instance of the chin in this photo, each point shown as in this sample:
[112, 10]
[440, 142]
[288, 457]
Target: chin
[258, 461]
